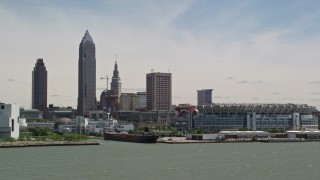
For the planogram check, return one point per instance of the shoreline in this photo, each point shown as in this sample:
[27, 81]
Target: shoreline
[21, 144]
[179, 140]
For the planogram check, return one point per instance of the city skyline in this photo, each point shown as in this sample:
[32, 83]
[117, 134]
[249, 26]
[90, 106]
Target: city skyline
[248, 51]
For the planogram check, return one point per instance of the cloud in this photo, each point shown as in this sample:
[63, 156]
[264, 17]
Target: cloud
[287, 99]
[314, 100]
[257, 82]
[182, 34]
[221, 97]
[11, 80]
[314, 82]
[230, 78]
[100, 89]
[315, 93]
[242, 82]
[133, 89]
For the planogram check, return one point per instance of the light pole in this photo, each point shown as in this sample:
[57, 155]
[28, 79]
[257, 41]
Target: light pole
[108, 121]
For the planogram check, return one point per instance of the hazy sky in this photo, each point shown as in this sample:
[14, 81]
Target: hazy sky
[248, 51]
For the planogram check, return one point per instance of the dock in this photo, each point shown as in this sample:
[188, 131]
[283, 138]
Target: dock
[183, 140]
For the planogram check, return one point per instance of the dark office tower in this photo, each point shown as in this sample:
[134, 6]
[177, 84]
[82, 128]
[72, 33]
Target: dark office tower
[159, 91]
[39, 87]
[87, 76]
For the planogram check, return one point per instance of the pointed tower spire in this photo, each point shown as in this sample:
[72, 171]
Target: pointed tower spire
[87, 37]
[116, 81]
[116, 71]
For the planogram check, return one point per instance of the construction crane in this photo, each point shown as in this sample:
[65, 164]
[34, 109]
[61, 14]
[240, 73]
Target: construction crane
[107, 78]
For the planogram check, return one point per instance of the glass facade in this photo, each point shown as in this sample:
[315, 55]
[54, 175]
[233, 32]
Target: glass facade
[308, 122]
[273, 121]
[214, 122]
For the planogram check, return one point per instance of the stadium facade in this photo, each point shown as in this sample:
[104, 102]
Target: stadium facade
[216, 117]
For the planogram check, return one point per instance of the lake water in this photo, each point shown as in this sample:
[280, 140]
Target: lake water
[121, 160]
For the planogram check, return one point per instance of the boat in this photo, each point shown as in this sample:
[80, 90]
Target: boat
[138, 138]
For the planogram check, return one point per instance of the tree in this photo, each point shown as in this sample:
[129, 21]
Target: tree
[44, 138]
[99, 134]
[199, 131]
[174, 132]
[274, 130]
[244, 129]
[55, 136]
[24, 136]
[37, 131]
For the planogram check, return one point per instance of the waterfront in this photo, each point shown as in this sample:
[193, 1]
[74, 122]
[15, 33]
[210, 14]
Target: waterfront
[23, 144]
[121, 160]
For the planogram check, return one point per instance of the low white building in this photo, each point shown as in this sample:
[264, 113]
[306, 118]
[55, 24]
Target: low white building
[125, 127]
[23, 124]
[64, 125]
[9, 120]
[304, 134]
[81, 124]
[101, 126]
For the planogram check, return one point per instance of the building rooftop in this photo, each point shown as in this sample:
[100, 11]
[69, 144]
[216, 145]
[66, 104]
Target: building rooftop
[87, 37]
[258, 108]
[205, 90]
[63, 121]
[31, 110]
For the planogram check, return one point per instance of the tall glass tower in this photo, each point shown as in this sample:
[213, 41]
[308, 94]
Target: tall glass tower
[87, 75]
[39, 86]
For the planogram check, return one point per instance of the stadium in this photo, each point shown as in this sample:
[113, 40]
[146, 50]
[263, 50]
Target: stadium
[216, 117]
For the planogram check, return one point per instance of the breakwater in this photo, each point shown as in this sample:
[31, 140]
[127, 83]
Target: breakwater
[21, 144]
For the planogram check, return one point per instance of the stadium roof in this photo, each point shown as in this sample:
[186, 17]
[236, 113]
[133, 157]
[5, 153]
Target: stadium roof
[258, 108]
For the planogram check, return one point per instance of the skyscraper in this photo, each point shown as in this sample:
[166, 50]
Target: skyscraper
[39, 86]
[159, 91]
[87, 75]
[204, 96]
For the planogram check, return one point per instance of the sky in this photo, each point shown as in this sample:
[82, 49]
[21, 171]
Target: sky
[248, 51]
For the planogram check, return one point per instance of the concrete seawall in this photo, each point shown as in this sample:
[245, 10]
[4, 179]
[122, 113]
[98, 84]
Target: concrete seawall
[20, 144]
[183, 140]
